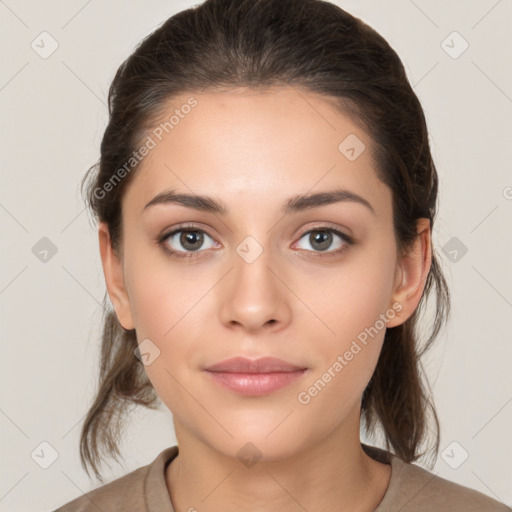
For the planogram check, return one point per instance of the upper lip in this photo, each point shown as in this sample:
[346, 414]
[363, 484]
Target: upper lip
[245, 365]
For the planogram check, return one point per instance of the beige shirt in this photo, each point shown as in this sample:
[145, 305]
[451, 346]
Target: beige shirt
[410, 489]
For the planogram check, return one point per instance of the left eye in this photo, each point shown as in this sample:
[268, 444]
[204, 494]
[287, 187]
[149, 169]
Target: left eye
[320, 240]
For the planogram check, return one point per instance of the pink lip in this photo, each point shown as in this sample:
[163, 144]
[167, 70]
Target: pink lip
[255, 377]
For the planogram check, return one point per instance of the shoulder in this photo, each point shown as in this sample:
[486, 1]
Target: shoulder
[112, 496]
[129, 492]
[427, 491]
[414, 489]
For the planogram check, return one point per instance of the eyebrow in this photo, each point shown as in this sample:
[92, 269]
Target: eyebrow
[292, 205]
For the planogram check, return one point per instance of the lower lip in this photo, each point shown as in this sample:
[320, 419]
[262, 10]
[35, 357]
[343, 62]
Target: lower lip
[256, 384]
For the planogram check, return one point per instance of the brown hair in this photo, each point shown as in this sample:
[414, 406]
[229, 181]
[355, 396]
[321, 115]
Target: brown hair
[314, 45]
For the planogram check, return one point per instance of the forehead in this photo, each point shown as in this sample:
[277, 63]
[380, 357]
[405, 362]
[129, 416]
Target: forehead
[276, 142]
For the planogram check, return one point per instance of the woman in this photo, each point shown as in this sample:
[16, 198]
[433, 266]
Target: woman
[266, 198]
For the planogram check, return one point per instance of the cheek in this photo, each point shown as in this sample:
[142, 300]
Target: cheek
[163, 294]
[353, 296]
[355, 303]
[347, 358]
[167, 307]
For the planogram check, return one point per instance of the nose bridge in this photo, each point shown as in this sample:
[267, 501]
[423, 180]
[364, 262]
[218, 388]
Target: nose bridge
[252, 260]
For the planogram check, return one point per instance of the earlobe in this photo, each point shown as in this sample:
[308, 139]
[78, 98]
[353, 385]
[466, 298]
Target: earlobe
[114, 278]
[412, 272]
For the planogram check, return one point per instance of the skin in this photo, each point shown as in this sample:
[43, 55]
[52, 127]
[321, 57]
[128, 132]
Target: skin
[253, 151]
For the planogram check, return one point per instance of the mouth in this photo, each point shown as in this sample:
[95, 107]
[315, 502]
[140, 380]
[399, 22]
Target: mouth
[255, 377]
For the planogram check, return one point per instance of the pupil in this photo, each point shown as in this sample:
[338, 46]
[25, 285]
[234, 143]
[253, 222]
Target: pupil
[323, 238]
[193, 238]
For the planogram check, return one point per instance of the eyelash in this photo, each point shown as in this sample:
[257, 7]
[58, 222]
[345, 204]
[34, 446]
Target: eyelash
[348, 241]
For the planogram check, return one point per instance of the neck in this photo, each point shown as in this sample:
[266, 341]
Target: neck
[332, 474]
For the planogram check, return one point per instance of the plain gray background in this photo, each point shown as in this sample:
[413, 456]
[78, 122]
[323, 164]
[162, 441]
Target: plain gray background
[53, 116]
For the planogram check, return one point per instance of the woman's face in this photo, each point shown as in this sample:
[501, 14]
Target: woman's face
[257, 280]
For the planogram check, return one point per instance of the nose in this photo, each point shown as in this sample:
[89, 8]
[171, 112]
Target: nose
[254, 295]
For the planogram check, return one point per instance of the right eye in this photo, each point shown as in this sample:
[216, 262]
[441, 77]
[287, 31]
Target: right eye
[183, 242]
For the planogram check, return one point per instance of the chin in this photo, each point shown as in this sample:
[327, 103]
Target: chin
[254, 444]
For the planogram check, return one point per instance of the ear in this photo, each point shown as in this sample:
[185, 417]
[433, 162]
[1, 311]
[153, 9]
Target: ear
[411, 274]
[114, 278]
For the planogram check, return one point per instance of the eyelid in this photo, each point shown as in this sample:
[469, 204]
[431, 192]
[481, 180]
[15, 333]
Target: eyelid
[327, 226]
[184, 227]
